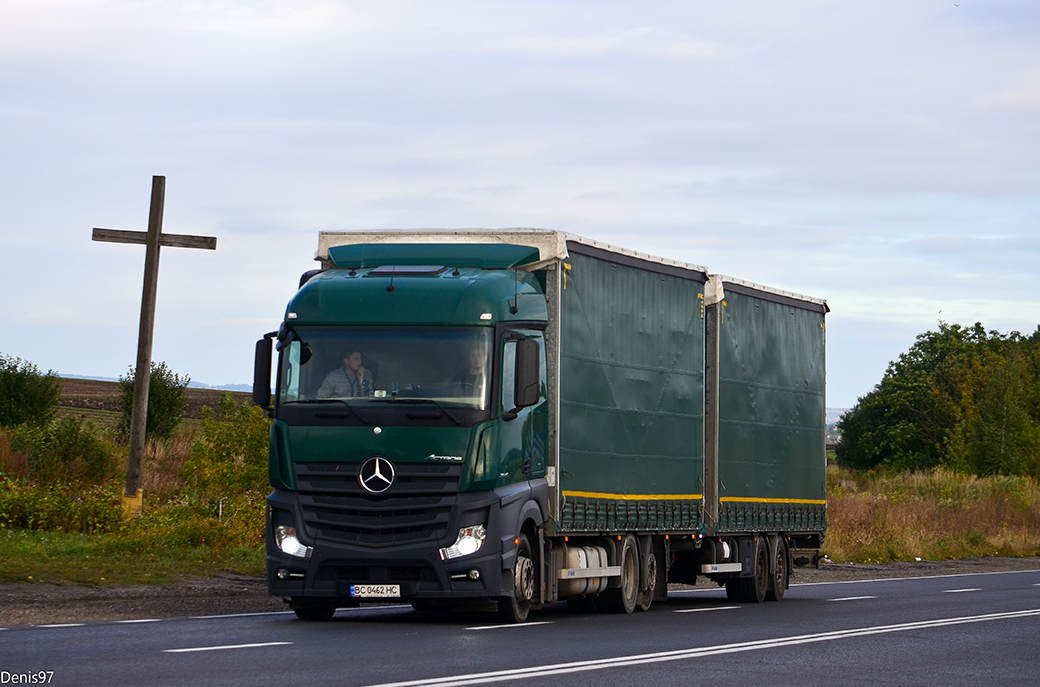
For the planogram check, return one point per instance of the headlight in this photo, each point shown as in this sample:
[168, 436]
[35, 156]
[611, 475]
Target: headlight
[286, 541]
[469, 541]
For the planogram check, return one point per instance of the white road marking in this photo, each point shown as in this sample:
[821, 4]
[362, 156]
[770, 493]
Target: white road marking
[918, 577]
[959, 591]
[142, 620]
[702, 610]
[853, 598]
[518, 625]
[224, 648]
[63, 625]
[236, 615]
[698, 652]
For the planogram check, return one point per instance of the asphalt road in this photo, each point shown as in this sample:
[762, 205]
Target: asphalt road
[949, 631]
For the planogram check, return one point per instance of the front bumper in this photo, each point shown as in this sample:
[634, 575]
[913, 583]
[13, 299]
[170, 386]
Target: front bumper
[334, 566]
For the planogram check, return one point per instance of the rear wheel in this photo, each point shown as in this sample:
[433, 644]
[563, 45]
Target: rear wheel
[646, 596]
[515, 608]
[778, 580]
[623, 599]
[752, 589]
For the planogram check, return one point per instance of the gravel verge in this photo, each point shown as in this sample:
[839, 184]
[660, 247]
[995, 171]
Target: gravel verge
[44, 604]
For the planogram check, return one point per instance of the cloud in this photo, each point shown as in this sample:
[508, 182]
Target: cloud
[880, 155]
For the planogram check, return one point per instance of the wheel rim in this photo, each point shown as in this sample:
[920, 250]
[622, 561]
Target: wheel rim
[762, 574]
[630, 577]
[524, 579]
[651, 573]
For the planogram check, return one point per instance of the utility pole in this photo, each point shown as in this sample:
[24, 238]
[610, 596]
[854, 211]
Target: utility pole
[133, 495]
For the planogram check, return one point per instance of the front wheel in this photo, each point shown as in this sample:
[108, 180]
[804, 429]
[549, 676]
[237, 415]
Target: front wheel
[515, 608]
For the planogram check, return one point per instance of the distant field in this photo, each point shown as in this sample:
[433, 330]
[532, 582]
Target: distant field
[98, 401]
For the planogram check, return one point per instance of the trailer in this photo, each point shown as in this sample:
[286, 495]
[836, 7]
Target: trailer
[531, 416]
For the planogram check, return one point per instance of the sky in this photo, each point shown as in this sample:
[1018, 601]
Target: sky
[883, 156]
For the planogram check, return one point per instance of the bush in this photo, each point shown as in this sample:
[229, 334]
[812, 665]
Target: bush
[26, 396]
[231, 454]
[59, 507]
[167, 401]
[63, 449]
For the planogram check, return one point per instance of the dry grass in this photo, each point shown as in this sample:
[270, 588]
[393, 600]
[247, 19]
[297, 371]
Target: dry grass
[930, 515]
[163, 462]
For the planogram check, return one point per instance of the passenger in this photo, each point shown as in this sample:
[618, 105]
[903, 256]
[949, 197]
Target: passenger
[470, 380]
[352, 379]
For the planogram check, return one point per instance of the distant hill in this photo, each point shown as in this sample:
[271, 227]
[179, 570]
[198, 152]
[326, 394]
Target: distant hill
[103, 394]
[246, 388]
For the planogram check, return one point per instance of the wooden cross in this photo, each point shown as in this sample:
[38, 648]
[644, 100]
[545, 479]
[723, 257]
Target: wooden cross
[152, 239]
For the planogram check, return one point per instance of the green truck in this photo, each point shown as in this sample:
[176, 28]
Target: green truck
[506, 419]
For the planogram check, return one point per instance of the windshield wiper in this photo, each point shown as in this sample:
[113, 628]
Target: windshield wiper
[349, 407]
[416, 401]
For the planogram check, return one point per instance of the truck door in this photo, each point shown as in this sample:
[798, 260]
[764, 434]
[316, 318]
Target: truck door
[524, 438]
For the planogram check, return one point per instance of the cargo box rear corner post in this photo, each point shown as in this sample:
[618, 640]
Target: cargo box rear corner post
[505, 419]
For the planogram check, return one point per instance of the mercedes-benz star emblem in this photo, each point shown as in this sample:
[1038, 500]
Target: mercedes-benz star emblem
[376, 475]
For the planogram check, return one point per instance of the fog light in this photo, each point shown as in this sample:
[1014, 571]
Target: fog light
[286, 541]
[474, 574]
[469, 541]
[283, 574]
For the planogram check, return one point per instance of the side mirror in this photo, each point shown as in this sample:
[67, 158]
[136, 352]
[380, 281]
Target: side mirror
[262, 372]
[528, 377]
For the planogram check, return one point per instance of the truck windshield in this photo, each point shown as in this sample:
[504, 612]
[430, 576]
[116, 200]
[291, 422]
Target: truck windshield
[368, 366]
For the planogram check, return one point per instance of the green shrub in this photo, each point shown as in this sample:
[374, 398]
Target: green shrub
[231, 453]
[63, 449]
[167, 401]
[26, 396]
[59, 506]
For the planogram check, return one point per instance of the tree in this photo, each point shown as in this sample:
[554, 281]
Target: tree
[960, 397]
[26, 396]
[167, 401]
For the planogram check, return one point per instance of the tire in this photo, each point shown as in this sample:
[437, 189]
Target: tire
[623, 598]
[315, 613]
[515, 608]
[646, 596]
[752, 589]
[758, 584]
[781, 571]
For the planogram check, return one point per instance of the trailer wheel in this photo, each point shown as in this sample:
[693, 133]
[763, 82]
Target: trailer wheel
[646, 597]
[778, 580]
[752, 589]
[622, 599]
[514, 609]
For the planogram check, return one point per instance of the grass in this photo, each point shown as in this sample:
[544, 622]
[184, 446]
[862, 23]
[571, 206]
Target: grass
[97, 560]
[932, 515]
[71, 531]
[63, 527]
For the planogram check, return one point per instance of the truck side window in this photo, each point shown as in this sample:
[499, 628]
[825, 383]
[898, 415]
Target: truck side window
[509, 367]
[291, 373]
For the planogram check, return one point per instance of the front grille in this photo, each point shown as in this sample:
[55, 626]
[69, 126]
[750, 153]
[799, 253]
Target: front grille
[416, 508]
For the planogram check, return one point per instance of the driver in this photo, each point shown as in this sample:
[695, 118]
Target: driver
[470, 379]
[352, 379]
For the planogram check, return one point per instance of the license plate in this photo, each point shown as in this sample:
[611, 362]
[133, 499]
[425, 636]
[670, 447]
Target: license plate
[375, 590]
